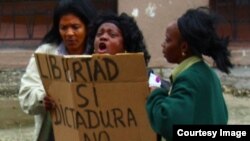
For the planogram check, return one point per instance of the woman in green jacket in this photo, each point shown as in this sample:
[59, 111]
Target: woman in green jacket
[196, 95]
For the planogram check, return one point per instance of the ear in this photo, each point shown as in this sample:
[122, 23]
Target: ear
[184, 47]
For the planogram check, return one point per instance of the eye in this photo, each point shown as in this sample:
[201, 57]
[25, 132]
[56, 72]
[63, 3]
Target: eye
[99, 33]
[63, 28]
[76, 27]
[168, 39]
[113, 34]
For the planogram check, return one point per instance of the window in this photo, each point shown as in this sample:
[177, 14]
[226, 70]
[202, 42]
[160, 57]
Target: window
[29, 20]
[237, 13]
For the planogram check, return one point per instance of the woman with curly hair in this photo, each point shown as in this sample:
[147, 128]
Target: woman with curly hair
[111, 33]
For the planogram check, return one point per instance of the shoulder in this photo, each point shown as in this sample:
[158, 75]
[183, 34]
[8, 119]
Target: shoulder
[47, 48]
[199, 68]
[199, 73]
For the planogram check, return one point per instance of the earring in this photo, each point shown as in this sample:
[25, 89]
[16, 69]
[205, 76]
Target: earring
[183, 54]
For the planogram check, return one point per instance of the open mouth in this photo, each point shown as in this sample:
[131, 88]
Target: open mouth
[102, 48]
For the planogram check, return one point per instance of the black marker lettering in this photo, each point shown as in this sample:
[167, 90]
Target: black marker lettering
[87, 60]
[65, 69]
[80, 120]
[103, 135]
[86, 137]
[98, 70]
[73, 117]
[58, 115]
[92, 117]
[95, 97]
[77, 71]
[66, 109]
[61, 108]
[54, 68]
[106, 120]
[131, 117]
[110, 63]
[40, 68]
[118, 117]
[85, 99]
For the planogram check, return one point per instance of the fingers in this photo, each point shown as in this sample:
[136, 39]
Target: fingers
[49, 103]
[152, 88]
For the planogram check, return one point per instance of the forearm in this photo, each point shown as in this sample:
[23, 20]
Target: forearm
[31, 96]
[31, 91]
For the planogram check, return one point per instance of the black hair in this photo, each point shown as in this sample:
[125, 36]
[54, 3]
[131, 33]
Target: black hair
[80, 8]
[132, 35]
[197, 27]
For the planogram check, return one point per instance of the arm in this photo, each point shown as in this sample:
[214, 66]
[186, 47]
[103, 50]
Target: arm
[166, 110]
[31, 91]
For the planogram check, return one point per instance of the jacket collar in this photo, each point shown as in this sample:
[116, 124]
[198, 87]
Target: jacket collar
[183, 66]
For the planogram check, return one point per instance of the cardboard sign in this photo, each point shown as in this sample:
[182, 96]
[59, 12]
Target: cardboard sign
[98, 98]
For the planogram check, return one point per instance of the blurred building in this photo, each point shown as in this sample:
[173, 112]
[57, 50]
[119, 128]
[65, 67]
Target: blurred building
[24, 22]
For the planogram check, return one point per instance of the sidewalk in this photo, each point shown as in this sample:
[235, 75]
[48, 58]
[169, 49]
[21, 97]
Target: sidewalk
[14, 58]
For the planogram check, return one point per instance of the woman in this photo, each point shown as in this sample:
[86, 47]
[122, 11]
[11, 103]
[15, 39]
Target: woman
[196, 95]
[112, 34]
[66, 37]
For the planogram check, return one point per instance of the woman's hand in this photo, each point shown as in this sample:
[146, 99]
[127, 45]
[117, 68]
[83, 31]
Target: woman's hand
[49, 103]
[152, 88]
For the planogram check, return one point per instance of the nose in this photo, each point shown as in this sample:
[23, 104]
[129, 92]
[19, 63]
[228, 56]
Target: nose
[104, 36]
[69, 32]
[163, 44]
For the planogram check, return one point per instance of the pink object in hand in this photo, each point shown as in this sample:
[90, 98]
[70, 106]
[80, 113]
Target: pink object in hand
[158, 79]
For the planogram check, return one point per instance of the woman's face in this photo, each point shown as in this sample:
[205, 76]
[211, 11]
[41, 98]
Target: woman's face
[73, 33]
[171, 47]
[109, 39]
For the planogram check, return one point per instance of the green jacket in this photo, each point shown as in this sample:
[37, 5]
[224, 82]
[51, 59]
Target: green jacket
[196, 97]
